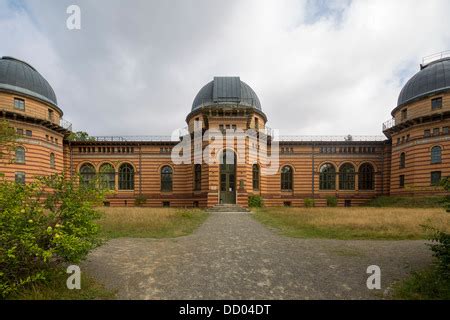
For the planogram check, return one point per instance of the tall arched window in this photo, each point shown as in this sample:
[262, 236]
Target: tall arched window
[166, 179]
[52, 160]
[402, 160]
[366, 178]
[255, 172]
[126, 177]
[87, 174]
[436, 154]
[347, 177]
[107, 176]
[198, 177]
[286, 178]
[20, 155]
[327, 178]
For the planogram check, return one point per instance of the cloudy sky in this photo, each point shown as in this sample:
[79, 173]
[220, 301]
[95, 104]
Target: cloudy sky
[318, 67]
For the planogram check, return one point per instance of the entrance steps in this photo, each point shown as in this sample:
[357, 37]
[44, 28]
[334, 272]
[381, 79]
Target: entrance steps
[227, 208]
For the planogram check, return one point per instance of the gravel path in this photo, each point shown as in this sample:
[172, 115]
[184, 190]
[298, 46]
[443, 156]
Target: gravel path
[232, 256]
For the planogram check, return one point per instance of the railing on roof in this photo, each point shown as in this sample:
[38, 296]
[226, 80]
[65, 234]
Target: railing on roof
[346, 138]
[388, 124]
[437, 56]
[133, 138]
[238, 101]
[65, 124]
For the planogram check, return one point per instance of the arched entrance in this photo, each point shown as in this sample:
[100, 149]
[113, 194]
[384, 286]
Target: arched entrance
[227, 178]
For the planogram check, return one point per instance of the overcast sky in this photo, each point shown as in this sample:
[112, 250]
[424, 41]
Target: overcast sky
[318, 67]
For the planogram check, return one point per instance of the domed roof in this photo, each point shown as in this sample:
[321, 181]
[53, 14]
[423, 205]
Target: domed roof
[431, 79]
[18, 76]
[226, 90]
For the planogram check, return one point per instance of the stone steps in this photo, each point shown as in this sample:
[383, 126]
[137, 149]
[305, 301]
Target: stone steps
[227, 208]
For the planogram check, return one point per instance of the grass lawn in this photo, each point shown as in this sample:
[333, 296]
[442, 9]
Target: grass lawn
[149, 222]
[353, 223]
[55, 288]
[423, 285]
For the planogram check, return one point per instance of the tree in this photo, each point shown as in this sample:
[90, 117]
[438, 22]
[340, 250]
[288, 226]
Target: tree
[8, 137]
[80, 136]
[42, 225]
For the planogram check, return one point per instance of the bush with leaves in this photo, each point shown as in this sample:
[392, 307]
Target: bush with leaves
[445, 183]
[140, 200]
[44, 224]
[441, 250]
[255, 201]
[309, 203]
[332, 201]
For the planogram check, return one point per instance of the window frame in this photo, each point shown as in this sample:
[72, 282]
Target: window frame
[126, 177]
[22, 157]
[436, 156]
[87, 176]
[197, 177]
[347, 177]
[255, 177]
[366, 177]
[22, 101]
[435, 183]
[107, 176]
[327, 179]
[433, 106]
[166, 177]
[287, 178]
[402, 164]
[17, 175]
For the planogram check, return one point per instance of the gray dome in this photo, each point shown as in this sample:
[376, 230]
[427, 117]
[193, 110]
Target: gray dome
[18, 76]
[432, 79]
[224, 90]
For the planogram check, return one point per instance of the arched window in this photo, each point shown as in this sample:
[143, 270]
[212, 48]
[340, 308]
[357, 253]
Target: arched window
[436, 154]
[366, 177]
[402, 160]
[347, 177]
[255, 171]
[87, 174]
[107, 176]
[286, 178]
[198, 177]
[20, 155]
[166, 179]
[52, 160]
[126, 177]
[327, 178]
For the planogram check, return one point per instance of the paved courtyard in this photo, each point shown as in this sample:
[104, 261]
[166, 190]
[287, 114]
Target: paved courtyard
[232, 256]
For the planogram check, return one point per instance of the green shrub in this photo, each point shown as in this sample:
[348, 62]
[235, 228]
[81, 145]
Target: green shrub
[332, 201]
[309, 203]
[140, 200]
[446, 184]
[255, 202]
[441, 250]
[39, 229]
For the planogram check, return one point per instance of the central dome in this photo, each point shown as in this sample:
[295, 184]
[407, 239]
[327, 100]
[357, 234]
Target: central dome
[18, 76]
[226, 90]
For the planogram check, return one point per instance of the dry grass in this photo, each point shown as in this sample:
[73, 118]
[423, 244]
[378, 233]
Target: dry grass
[354, 223]
[149, 222]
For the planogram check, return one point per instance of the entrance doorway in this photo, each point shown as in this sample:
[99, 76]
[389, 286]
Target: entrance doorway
[228, 177]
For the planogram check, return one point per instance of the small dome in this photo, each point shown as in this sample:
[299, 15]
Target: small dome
[433, 78]
[18, 76]
[226, 90]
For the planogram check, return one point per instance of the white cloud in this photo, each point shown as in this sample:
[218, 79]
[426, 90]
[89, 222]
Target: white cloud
[134, 68]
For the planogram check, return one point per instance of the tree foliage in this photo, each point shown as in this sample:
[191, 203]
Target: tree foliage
[80, 136]
[44, 224]
[8, 138]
